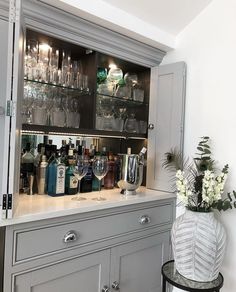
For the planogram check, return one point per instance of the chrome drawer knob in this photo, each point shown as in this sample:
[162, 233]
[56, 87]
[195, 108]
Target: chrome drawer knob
[151, 126]
[70, 236]
[115, 285]
[144, 219]
[105, 289]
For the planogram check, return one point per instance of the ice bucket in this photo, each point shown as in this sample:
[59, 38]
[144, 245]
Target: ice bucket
[131, 173]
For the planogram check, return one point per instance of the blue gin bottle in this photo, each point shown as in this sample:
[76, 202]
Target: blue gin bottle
[56, 177]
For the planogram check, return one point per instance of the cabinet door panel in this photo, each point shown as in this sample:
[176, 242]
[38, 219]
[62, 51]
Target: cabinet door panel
[4, 121]
[136, 266]
[15, 90]
[87, 273]
[167, 96]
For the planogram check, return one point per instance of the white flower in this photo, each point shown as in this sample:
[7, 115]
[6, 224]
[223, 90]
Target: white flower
[212, 187]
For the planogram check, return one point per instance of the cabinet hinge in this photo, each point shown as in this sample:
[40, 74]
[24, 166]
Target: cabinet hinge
[11, 108]
[12, 14]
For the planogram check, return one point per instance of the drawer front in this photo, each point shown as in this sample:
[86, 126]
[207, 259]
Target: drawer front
[42, 241]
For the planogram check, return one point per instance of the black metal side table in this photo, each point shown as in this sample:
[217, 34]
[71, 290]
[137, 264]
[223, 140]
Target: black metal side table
[172, 276]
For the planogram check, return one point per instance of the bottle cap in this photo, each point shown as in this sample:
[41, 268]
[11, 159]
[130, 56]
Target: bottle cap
[70, 152]
[44, 158]
[143, 151]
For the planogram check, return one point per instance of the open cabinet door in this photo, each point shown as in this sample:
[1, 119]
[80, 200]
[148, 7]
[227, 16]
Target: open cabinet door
[15, 90]
[166, 120]
[4, 120]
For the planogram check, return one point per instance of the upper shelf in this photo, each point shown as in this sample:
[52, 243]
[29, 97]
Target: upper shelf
[107, 99]
[78, 91]
[53, 130]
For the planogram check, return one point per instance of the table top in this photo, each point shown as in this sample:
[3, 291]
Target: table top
[40, 207]
[172, 276]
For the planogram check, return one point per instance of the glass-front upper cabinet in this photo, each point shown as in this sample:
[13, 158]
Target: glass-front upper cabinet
[59, 83]
[122, 96]
[69, 88]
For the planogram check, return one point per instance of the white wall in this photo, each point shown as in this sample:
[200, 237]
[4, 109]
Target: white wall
[208, 45]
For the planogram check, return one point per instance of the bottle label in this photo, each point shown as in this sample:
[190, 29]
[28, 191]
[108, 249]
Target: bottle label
[73, 182]
[60, 184]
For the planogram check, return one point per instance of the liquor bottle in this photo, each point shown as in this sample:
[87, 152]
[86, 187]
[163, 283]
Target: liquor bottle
[41, 176]
[87, 180]
[56, 177]
[103, 153]
[37, 161]
[71, 182]
[27, 167]
[117, 170]
[142, 155]
[38, 157]
[27, 160]
[63, 152]
[109, 179]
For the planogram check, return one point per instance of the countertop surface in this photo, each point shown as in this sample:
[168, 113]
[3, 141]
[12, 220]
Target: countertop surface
[39, 207]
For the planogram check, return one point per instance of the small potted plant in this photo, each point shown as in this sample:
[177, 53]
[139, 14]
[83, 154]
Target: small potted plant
[198, 238]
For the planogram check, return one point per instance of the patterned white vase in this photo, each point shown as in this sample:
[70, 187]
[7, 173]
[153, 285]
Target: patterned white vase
[198, 242]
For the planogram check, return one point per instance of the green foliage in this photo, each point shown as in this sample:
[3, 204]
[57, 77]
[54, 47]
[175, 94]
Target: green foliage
[203, 160]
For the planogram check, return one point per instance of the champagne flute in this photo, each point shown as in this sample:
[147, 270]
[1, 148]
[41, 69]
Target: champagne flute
[80, 170]
[100, 168]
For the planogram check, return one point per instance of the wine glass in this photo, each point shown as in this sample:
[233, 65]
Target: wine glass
[114, 75]
[80, 170]
[100, 168]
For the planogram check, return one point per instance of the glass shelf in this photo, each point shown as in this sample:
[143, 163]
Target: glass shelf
[53, 130]
[76, 90]
[107, 99]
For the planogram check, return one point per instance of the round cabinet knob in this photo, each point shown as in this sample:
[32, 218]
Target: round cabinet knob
[115, 285]
[105, 289]
[144, 219]
[70, 237]
[150, 126]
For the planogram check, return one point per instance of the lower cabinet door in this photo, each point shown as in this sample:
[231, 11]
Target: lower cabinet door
[88, 273]
[136, 266]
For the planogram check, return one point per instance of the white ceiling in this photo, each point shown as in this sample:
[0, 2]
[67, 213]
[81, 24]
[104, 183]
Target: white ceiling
[171, 16]
[154, 22]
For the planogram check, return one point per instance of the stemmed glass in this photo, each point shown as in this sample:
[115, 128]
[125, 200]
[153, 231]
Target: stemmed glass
[100, 168]
[80, 170]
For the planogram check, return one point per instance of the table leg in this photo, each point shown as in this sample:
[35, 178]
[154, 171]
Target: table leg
[163, 285]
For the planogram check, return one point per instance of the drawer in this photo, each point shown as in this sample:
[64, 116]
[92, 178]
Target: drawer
[48, 239]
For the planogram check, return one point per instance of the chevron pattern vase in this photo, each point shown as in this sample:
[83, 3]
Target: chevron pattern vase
[198, 242]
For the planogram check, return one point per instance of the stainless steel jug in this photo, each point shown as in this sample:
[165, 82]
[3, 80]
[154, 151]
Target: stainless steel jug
[131, 173]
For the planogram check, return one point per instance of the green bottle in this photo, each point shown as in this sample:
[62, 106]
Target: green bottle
[71, 182]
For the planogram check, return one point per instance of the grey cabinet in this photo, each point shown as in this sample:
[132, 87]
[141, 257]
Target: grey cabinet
[123, 250]
[165, 107]
[136, 266]
[85, 273]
